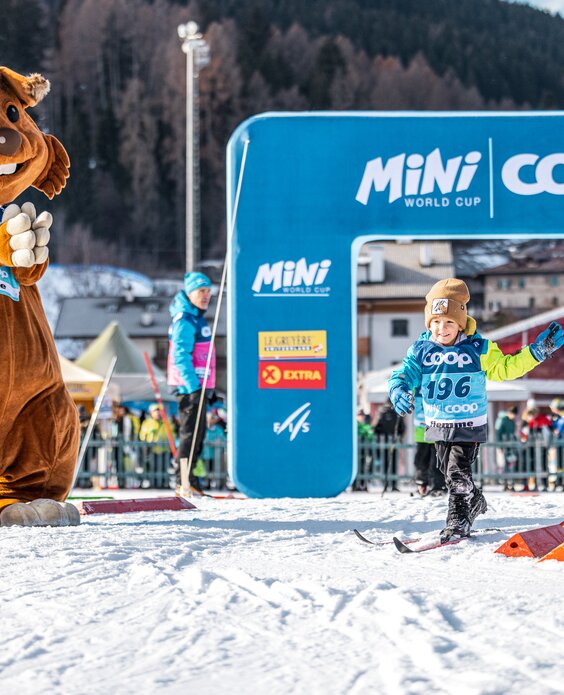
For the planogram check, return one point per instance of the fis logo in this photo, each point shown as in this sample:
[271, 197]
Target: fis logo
[292, 278]
[415, 175]
[295, 423]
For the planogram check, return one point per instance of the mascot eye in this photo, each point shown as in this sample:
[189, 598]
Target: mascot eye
[12, 113]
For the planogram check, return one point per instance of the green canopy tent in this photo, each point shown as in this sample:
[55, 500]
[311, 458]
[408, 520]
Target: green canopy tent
[130, 373]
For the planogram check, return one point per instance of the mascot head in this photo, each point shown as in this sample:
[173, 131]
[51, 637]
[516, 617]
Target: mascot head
[28, 157]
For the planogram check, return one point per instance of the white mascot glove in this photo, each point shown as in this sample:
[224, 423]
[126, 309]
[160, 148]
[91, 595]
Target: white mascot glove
[30, 234]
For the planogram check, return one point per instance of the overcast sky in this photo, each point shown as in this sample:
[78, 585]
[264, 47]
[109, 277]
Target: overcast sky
[550, 5]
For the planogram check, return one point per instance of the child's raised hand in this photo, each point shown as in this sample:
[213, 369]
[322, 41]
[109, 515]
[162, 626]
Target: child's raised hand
[402, 400]
[548, 342]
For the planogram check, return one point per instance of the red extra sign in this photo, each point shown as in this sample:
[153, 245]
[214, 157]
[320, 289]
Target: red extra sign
[292, 375]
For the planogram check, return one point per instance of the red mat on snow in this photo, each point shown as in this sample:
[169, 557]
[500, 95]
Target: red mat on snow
[147, 504]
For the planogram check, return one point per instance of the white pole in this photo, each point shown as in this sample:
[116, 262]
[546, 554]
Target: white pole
[219, 299]
[190, 260]
[93, 419]
[197, 56]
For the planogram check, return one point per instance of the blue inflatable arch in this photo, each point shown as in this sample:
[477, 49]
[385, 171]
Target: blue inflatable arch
[313, 189]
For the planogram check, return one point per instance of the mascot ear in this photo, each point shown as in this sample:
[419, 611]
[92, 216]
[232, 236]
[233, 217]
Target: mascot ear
[54, 176]
[29, 90]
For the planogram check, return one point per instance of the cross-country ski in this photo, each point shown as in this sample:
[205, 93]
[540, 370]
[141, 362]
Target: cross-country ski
[429, 541]
[403, 546]
[364, 539]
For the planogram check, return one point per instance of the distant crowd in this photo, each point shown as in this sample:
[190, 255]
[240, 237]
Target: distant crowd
[133, 449]
[541, 427]
[529, 440]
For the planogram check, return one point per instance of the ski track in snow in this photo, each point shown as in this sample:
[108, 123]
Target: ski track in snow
[279, 597]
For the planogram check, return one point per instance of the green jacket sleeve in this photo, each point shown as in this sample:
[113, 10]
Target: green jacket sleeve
[500, 367]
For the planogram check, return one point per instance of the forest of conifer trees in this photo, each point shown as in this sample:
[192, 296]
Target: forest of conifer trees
[118, 92]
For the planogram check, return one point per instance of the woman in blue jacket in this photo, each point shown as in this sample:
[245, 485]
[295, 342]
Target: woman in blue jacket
[189, 346]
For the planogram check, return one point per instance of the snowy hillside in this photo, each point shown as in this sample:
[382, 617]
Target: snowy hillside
[279, 597]
[62, 281]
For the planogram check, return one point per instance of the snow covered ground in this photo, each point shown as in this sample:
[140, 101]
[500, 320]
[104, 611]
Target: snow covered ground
[279, 597]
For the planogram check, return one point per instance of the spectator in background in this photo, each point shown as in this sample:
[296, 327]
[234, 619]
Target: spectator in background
[557, 409]
[213, 453]
[507, 455]
[539, 427]
[90, 463]
[525, 417]
[156, 456]
[389, 429]
[219, 409]
[365, 435]
[190, 342]
[84, 419]
[124, 428]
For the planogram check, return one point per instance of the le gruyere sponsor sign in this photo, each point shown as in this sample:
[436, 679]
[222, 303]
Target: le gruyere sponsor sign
[292, 344]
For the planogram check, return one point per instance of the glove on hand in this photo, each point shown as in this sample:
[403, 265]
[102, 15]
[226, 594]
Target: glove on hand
[29, 234]
[402, 400]
[547, 342]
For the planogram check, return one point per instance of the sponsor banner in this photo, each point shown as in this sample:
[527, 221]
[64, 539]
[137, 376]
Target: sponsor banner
[292, 375]
[434, 180]
[416, 179]
[292, 344]
[301, 278]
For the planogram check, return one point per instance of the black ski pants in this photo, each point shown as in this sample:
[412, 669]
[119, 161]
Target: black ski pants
[455, 461]
[190, 428]
[426, 470]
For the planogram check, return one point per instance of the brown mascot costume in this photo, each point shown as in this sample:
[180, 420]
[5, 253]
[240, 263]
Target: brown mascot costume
[39, 433]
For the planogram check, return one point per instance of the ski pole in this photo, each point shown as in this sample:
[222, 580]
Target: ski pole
[93, 418]
[158, 396]
[219, 299]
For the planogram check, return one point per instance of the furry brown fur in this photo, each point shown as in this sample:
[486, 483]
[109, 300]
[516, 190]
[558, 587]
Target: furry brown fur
[39, 431]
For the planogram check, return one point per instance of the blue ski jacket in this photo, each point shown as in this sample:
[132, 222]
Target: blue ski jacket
[453, 383]
[189, 344]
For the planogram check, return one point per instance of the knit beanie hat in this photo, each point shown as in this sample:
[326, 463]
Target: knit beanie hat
[193, 281]
[448, 298]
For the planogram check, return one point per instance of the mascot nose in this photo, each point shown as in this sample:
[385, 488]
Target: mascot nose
[10, 140]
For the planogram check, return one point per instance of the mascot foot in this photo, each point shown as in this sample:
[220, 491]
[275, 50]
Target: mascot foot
[40, 512]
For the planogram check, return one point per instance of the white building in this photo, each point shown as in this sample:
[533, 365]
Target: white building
[393, 279]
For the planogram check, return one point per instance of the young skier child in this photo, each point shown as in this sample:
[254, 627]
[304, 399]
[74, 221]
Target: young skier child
[450, 363]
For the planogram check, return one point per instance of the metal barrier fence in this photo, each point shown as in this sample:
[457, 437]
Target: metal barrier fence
[115, 463]
[110, 463]
[534, 464]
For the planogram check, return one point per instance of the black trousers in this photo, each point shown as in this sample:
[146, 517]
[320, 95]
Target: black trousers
[455, 461]
[190, 428]
[389, 455]
[426, 470]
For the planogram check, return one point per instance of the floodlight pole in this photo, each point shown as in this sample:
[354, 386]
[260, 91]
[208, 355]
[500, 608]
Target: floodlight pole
[197, 56]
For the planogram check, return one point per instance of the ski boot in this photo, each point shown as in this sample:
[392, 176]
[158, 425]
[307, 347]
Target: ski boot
[458, 523]
[478, 505]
